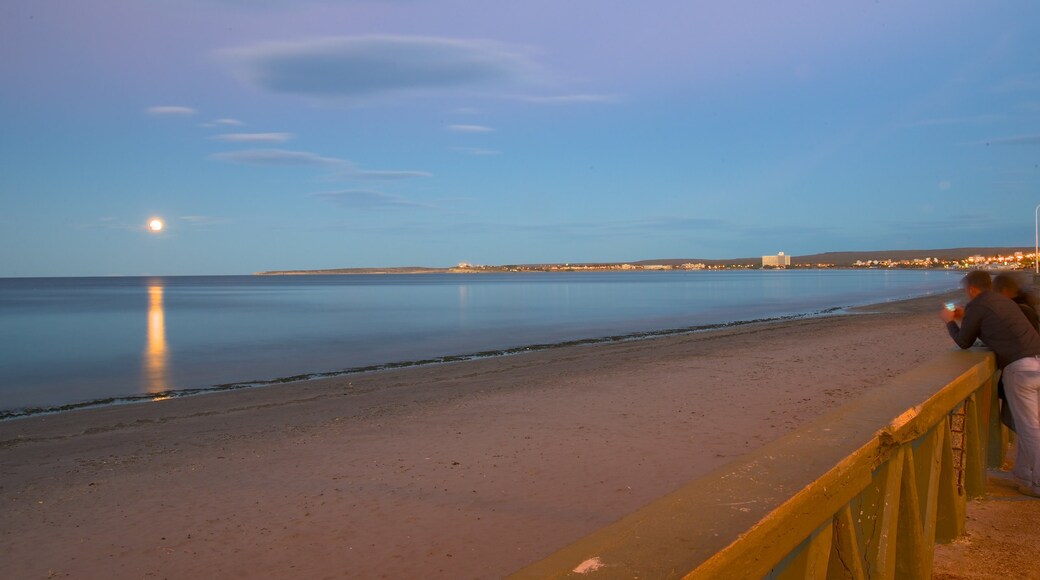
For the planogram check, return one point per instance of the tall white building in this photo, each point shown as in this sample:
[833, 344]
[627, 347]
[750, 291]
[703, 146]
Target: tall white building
[778, 261]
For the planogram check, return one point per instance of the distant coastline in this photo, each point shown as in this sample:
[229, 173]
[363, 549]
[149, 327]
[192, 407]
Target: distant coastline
[397, 270]
[1011, 258]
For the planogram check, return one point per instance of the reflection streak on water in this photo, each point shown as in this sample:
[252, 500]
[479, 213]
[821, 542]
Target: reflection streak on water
[155, 355]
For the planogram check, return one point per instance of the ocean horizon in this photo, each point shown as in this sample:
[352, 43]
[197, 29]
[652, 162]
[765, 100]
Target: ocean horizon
[76, 342]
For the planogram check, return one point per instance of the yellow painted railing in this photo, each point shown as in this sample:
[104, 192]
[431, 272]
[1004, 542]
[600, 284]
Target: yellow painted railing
[863, 492]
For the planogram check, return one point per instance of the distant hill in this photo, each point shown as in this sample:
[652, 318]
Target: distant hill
[398, 270]
[848, 258]
[839, 259]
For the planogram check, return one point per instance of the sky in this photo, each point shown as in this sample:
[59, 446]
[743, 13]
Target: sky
[305, 134]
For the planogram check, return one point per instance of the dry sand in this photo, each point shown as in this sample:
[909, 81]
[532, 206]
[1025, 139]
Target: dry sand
[1001, 539]
[466, 470]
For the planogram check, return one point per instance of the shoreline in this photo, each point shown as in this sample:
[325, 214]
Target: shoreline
[26, 412]
[443, 471]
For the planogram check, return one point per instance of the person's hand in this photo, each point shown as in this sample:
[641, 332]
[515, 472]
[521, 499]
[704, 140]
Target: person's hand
[958, 314]
[949, 315]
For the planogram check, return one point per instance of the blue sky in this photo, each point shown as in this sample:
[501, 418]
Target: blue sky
[277, 134]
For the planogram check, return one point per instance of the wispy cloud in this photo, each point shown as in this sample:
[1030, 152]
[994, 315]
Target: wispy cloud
[475, 151]
[688, 227]
[355, 172]
[254, 137]
[171, 110]
[203, 220]
[1025, 82]
[364, 66]
[947, 121]
[639, 226]
[612, 228]
[1014, 140]
[951, 223]
[106, 223]
[704, 232]
[469, 128]
[112, 223]
[569, 99]
[224, 122]
[228, 121]
[276, 157]
[365, 199]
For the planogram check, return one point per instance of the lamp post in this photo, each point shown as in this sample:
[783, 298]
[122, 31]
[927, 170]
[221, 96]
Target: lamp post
[1036, 236]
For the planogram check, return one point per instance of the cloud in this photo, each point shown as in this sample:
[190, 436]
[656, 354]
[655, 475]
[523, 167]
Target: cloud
[203, 220]
[568, 99]
[365, 66]
[1021, 83]
[344, 169]
[368, 200]
[658, 224]
[945, 184]
[225, 122]
[476, 151]
[1016, 140]
[382, 174]
[652, 226]
[470, 128]
[276, 157]
[254, 137]
[947, 121]
[951, 223]
[113, 223]
[107, 223]
[171, 110]
[634, 227]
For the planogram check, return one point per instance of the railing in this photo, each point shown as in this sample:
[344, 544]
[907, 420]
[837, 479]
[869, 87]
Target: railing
[863, 492]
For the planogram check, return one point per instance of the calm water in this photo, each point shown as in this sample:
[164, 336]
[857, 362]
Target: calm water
[69, 340]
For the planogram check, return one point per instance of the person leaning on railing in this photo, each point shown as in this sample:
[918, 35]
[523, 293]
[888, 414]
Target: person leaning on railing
[1008, 285]
[1001, 325]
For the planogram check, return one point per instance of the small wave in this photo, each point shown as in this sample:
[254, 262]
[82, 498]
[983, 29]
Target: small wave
[178, 393]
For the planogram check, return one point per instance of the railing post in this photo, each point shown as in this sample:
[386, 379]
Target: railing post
[913, 550]
[975, 430]
[998, 440]
[879, 504]
[848, 554]
[952, 505]
[810, 560]
[929, 468]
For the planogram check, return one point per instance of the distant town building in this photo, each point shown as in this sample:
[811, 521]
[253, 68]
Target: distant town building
[777, 261]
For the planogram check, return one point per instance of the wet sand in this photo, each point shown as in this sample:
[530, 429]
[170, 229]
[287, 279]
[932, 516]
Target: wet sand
[462, 470]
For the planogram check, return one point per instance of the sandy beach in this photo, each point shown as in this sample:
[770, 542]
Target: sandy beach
[463, 470]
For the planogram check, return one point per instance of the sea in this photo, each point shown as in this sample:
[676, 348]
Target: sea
[67, 343]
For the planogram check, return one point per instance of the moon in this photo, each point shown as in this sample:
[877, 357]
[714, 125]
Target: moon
[156, 225]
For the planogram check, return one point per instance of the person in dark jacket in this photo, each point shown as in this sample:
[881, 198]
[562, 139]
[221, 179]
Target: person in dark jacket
[1007, 285]
[1001, 325]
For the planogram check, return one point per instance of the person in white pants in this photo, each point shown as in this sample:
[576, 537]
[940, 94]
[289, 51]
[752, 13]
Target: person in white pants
[1001, 325]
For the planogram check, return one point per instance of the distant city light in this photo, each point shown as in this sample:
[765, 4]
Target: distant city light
[156, 225]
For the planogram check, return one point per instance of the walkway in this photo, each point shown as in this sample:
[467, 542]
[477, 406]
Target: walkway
[1002, 539]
